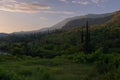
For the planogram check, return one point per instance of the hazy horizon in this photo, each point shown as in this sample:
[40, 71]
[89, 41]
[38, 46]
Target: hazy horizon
[28, 15]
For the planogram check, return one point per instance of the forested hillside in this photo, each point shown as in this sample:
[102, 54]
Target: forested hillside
[60, 42]
[89, 52]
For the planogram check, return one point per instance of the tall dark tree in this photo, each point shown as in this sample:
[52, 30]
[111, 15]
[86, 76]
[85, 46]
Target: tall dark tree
[87, 39]
[82, 35]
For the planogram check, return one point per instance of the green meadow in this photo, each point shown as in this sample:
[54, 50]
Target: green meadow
[28, 68]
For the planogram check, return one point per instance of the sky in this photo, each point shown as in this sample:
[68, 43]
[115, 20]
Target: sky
[27, 15]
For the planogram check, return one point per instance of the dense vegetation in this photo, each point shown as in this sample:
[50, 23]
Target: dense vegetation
[94, 66]
[61, 42]
[77, 54]
[28, 68]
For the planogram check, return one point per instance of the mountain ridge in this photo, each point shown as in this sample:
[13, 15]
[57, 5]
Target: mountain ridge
[77, 21]
[3, 34]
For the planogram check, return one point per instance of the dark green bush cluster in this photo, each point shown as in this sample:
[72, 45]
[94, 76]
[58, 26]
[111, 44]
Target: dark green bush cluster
[7, 75]
[107, 67]
[107, 63]
[84, 58]
[8, 58]
[26, 74]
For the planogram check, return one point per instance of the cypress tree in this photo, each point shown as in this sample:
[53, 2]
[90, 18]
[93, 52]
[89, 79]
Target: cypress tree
[87, 39]
[82, 35]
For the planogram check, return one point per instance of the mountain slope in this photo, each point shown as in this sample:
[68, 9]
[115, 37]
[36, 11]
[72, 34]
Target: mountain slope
[3, 34]
[81, 22]
[114, 20]
[78, 21]
[94, 19]
[103, 19]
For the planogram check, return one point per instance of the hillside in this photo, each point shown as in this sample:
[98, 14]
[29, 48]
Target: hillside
[81, 22]
[63, 42]
[114, 20]
[61, 54]
[105, 20]
[77, 21]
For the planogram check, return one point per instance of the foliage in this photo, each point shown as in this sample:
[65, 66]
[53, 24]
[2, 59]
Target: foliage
[42, 69]
[56, 43]
[59, 55]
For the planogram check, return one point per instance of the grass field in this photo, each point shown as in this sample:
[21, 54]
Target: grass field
[28, 68]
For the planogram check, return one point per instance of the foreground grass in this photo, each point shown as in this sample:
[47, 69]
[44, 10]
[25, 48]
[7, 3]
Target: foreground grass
[28, 68]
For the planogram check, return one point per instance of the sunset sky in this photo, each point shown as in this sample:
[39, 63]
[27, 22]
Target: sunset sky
[27, 15]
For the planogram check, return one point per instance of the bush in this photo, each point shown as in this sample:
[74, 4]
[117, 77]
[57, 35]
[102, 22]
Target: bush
[107, 63]
[7, 75]
[86, 58]
[80, 58]
[113, 75]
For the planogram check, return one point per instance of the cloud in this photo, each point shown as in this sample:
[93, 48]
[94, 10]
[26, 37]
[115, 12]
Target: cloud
[44, 18]
[64, 1]
[83, 2]
[95, 1]
[15, 6]
[7, 1]
[98, 1]
[59, 12]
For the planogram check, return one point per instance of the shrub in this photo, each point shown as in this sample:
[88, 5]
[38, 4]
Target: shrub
[107, 63]
[7, 75]
[80, 58]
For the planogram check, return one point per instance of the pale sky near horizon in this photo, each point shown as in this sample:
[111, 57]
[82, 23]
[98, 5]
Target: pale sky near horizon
[27, 15]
